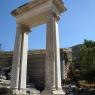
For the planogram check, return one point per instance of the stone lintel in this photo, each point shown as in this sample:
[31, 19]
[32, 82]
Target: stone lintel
[35, 3]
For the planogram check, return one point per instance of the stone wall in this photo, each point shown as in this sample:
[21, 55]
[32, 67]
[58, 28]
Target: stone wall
[35, 66]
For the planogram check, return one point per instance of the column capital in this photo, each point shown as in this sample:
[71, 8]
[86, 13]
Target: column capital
[55, 15]
[23, 27]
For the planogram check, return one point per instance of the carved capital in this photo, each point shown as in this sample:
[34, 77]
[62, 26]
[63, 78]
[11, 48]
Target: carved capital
[23, 28]
[54, 15]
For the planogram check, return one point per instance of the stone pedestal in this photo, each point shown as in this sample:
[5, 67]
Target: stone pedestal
[30, 91]
[17, 92]
[53, 92]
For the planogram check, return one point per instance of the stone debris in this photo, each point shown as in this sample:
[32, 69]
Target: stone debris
[4, 86]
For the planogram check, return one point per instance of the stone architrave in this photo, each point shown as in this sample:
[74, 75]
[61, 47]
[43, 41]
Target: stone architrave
[31, 15]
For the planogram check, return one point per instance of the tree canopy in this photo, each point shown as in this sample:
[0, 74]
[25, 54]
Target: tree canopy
[87, 60]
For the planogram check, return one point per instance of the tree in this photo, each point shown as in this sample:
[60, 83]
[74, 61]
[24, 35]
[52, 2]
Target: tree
[87, 62]
[0, 47]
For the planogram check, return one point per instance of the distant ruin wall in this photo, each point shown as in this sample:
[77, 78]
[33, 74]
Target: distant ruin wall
[36, 64]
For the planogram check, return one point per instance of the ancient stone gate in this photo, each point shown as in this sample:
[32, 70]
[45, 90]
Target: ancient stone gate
[28, 16]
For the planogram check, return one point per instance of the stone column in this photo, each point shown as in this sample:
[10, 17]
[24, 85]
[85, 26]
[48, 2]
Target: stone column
[19, 66]
[53, 70]
[50, 54]
[62, 69]
[57, 54]
[16, 59]
[23, 64]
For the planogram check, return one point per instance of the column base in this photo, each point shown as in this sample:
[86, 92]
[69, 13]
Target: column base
[53, 92]
[31, 91]
[17, 92]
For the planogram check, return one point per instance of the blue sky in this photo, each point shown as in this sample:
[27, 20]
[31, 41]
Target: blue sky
[75, 25]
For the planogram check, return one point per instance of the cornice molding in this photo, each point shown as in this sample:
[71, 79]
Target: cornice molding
[35, 3]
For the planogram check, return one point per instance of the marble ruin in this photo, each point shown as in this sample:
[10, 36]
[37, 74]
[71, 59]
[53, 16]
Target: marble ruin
[35, 65]
[66, 60]
[28, 16]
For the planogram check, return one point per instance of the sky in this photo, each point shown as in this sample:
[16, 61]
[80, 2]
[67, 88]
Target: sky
[75, 25]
